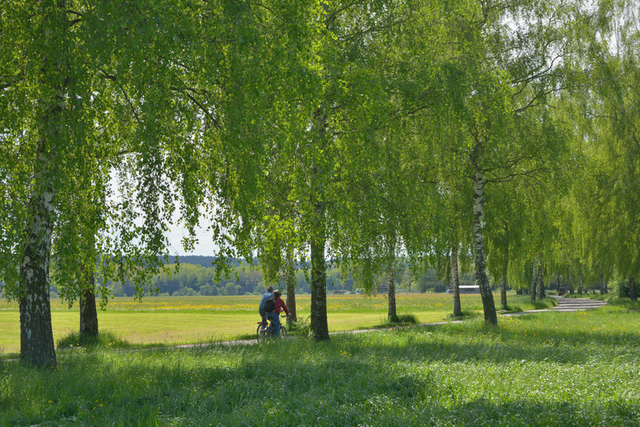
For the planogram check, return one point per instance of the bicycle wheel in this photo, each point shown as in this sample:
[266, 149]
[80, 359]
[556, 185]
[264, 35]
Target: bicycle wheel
[260, 334]
[283, 332]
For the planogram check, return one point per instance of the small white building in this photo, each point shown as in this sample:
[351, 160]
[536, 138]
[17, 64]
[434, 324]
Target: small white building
[466, 289]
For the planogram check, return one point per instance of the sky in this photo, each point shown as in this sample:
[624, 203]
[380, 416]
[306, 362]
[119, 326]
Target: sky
[204, 247]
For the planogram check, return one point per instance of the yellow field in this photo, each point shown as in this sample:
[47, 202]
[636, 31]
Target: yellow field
[181, 320]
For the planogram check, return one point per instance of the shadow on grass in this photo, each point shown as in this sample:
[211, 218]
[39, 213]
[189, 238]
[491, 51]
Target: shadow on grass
[90, 342]
[543, 304]
[466, 315]
[9, 357]
[398, 321]
[407, 376]
[522, 412]
[510, 309]
[470, 342]
[348, 381]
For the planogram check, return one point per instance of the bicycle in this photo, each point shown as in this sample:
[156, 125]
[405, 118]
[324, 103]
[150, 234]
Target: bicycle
[269, 332]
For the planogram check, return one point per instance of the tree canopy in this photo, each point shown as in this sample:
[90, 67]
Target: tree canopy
[346, 133]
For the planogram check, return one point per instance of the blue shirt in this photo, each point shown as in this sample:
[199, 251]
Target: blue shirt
[265, 297]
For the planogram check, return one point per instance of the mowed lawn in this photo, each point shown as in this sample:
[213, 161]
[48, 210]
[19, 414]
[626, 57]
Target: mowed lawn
[186, 320]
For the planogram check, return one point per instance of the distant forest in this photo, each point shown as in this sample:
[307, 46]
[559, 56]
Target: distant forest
[196, 276]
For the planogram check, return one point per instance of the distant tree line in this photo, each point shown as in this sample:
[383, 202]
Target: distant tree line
[196, 276]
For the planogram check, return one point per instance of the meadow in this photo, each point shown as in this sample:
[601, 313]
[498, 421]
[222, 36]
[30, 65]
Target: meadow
[188, 320]
[543, 369]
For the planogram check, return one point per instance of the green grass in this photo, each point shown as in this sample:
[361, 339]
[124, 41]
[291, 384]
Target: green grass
[547, 369]
[104, 339]
[590, 295]
[188, 320]
[519, 303]
[166, 321]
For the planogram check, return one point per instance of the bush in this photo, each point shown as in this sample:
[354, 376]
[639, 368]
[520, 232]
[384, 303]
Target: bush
[404, 319]
[622, 289]
[301, 327]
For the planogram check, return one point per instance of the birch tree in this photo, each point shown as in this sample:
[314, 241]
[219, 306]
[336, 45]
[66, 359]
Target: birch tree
[610, 130]
[60, 120]
[501, 105]
[337, 109]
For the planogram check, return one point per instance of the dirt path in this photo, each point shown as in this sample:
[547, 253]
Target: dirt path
[575, 304]
[566, 305]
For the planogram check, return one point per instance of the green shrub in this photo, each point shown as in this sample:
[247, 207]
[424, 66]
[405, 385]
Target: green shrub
[404, 319]
[621, 289]
[624, 303]
[300, 327]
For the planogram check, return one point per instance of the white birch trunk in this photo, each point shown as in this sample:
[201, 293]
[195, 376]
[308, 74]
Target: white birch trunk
[455, 282]
[540, 287]
[490, 315]
[36, 333]
[392, 292]
[534, 279]
[319, 325]
[503, 280]
[290, 279]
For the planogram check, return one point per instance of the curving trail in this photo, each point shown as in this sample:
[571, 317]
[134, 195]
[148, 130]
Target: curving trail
[565, 305]
[575, 304]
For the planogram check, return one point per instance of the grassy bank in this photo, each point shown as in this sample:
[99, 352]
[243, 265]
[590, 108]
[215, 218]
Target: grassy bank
[543, 369]
[185, 320]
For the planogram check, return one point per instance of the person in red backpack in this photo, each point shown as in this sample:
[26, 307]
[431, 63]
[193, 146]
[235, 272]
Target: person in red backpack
[274, 316]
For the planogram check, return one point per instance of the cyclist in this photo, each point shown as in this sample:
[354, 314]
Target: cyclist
[265, 297]
[274, 316]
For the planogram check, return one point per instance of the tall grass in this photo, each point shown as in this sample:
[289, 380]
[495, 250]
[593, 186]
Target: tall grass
[551, 369]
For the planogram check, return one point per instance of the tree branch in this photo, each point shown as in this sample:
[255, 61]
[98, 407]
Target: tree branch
[113, 78]
[187, 91]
